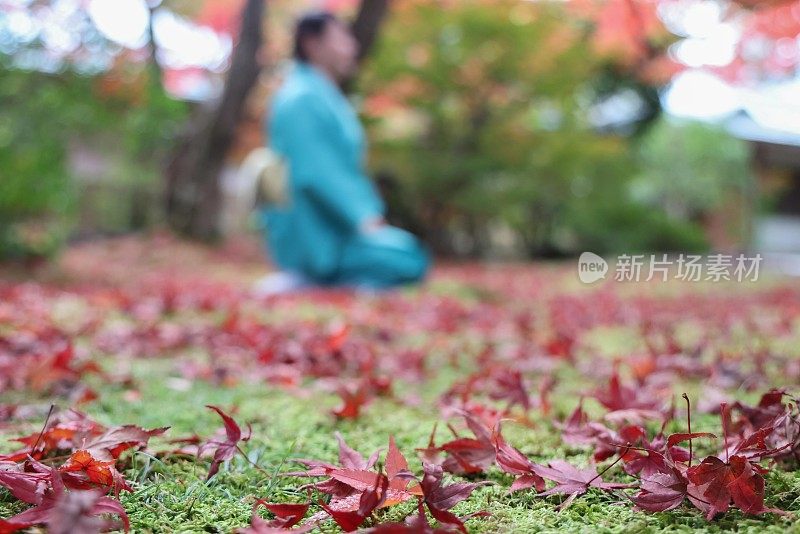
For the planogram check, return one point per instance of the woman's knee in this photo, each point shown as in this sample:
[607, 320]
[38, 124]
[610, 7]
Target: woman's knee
[417, 264]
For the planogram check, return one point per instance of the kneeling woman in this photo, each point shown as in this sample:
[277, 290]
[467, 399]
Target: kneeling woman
[330, 230]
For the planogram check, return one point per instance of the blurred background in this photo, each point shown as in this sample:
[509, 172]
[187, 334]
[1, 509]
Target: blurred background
[498, 128]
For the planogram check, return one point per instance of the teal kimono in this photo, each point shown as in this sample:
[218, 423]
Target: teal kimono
[316, 233]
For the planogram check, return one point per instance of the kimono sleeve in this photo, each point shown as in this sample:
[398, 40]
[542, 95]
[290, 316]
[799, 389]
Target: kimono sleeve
[320, 164]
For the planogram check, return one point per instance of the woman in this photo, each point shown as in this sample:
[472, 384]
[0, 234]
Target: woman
[330, 230]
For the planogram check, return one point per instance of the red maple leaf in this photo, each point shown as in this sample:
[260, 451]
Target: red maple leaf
[63, 511]
[73, 430]
[25, 486]
[94, 473]
[618, 396]
[578, 430]
[440, 498]
[337, 337]
[509, 385]
[661, 491]
[573, 427]
[464, 455]
[370, 499]
[354, 398]
[286, 516]
[225, 449]
[348, 459]
[512, 461]
[715, 484]
[65, 432]
[348, 482]
[769, 407]
[413, 524]
[573, 481]
[659, 455]
[114, 441]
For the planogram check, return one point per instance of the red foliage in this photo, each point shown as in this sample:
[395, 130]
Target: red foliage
[286, 516]
[61, 510]
[225, 449]
[572, 481]
[509, 357]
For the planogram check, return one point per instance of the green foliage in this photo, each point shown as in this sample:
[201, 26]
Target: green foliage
[94, 101]
[34, 188]
[482, 114]
[629, 227]
[690, 168]
[44, 117]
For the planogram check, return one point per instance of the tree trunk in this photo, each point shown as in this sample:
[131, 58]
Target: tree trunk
[192, 176]
[366, 26]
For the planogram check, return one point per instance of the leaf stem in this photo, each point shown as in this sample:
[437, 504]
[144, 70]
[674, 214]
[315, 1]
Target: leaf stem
[44, 427]
[689, 425]
[615, 462]
[722, 408]
[251, 462]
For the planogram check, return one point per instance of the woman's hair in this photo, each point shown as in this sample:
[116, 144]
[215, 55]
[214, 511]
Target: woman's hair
[310, 25]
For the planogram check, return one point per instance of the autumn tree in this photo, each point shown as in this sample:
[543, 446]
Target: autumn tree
[193, 196]
[483, 114]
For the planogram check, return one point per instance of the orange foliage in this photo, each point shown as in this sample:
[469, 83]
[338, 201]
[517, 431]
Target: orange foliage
[626, 30]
